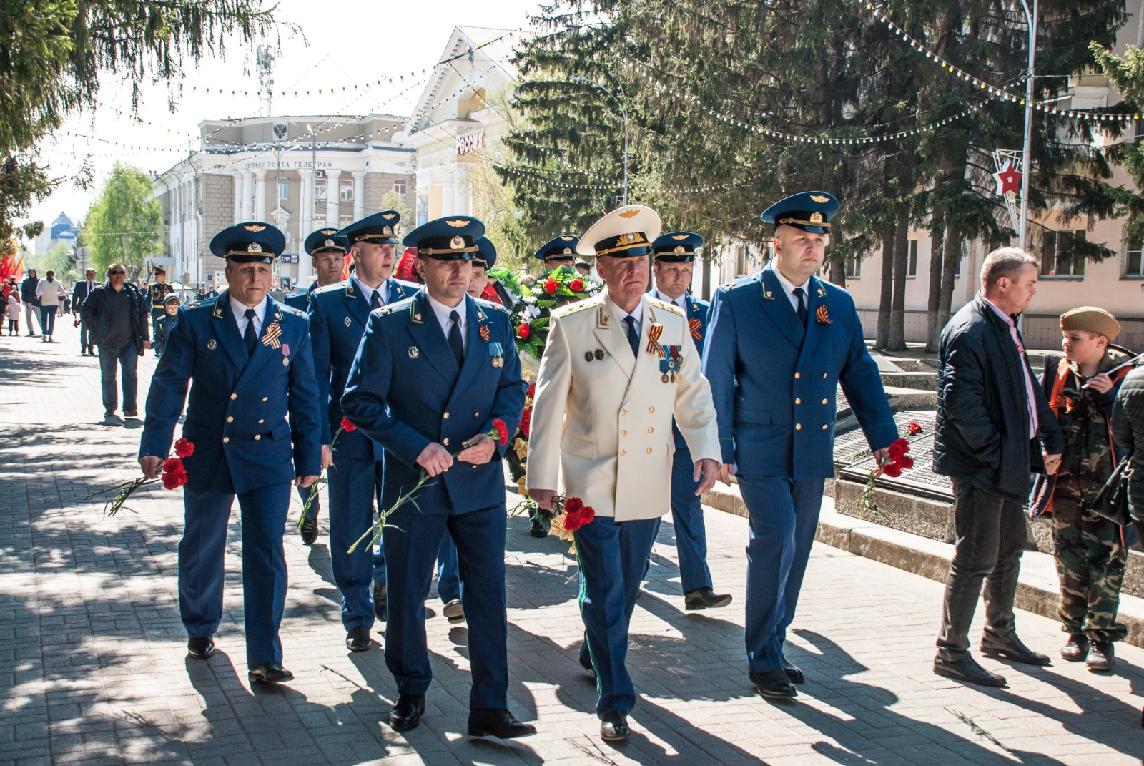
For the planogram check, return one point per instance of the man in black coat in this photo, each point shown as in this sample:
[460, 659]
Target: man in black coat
[990, 414]
[30, 301]
[116, 312]
[80, 293]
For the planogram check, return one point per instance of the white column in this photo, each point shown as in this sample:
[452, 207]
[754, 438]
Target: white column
[260, 195]
[247, 195]
[239, 181]
[305, 204]
[359, 194]
[333, 197]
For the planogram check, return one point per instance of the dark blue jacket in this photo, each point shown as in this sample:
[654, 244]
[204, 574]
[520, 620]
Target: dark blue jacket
[254, 420]
[405, 391]
[775, 383]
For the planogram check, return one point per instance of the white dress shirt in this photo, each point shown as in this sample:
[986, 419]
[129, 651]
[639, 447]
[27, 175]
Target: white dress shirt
[681, 301]
[621, 315]
[239, 311]
[1030, 400]
[441, 311]
[368, 291]
[788, 288]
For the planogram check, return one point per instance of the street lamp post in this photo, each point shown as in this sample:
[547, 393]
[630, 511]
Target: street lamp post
[623, 118]
[1026, 167]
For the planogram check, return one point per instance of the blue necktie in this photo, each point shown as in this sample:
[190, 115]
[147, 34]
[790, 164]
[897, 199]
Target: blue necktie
[801, 295]
[633, 335]
[250, 337]
[375, 300]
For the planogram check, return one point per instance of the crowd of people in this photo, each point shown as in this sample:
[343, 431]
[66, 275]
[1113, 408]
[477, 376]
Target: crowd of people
[406, 395]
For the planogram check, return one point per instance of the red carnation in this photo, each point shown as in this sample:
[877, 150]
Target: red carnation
[502, 431]
[522, 331]
[573, 505]
[914, 428]
[174, 475]
[526, 422]
[184, 447]
[898, 448]
[347, 426]
[576, 285]
[905, 462]
[532, 389]
[893, 470]
[172, 464]
[550, 286]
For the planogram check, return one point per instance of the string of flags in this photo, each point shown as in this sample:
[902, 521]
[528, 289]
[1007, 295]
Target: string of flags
[960, 74]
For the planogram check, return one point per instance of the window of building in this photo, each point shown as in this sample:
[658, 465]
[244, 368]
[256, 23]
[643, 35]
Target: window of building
[399, 187]
[1134, 258]
[854, 267]
[346, 190]
[283, 189]
[912, 259]
[320, 186]
[345, 220]
[1059, 256]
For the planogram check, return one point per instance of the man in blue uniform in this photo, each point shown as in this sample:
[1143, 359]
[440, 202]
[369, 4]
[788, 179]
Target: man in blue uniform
[673, 256]
[779, 344]
[558, 251]
[338, 316]
[436, 373]
[253, 420]
[328, 256]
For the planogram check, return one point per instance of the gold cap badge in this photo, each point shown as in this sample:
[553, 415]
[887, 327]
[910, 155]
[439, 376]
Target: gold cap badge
[254, 227]
[629, 213]
[389, 216]
[457, 223]
[457, 242]
[820, 198]
[816, 217]
[254, 247]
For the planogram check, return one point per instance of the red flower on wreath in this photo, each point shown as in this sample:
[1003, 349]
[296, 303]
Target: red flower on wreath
[526, 422]
[346, 425]
[502, 431]
[522, 331]
[184, 447]
[914, 428]
[576, 285]
[550, 286]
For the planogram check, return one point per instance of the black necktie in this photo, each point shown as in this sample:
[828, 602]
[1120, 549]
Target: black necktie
[633, 335]
[375, 300]
[455, 342]
[250, 337]
[801, 295]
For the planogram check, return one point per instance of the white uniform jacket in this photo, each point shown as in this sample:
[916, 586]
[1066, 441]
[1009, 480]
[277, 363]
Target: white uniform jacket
[605, 416]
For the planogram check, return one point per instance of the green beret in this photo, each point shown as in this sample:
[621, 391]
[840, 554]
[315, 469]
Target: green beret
[1091, 319]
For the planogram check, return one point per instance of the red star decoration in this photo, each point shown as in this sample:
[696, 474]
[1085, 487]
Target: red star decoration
[1008, 180]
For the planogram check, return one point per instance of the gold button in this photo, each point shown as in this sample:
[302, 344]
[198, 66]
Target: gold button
[445, 442]
[651, 410]
[798, 426]
[226, 440]
[797, 400]
[623, 433]
[648, 450]
[797, 375]
[823, 426]
[445, 416]
[650, 430]
[234, 396]
[623, 412]
[825, 400]
[230, 418]
[261, 421]
[258, 437]
[623, 452]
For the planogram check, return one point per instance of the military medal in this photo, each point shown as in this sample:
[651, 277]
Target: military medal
[271, 336]
[496, 351]
[669, 363]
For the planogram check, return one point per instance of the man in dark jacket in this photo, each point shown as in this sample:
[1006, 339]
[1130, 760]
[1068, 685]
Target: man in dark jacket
[83, 288]
[116, 312]
[30, 301]
[990, 413]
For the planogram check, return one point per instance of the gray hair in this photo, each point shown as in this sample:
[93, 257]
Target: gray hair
[1004, 262]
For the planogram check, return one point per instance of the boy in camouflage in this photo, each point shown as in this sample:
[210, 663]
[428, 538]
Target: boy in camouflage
[1090, 552]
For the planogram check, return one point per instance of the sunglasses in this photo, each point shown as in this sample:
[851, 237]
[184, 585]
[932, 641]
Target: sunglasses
[117, 273]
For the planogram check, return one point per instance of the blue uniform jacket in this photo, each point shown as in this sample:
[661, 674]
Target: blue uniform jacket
[301, 299]
[774, 383]
[405, 391]
[254, 421]
[338, 316]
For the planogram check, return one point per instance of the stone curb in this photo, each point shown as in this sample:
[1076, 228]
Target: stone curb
[1037, 589]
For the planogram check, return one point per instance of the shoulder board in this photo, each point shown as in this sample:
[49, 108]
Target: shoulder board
[489, 306]
[401, 306]
[665, 306]
[329, 288]
[573, 308]
[288, 309]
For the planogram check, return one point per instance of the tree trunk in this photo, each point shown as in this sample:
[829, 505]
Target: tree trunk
[937, 239]
[882, 339]
[897, 340]
[836, 259]
[951, 254]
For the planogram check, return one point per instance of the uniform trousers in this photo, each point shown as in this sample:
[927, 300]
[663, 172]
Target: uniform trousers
[613, 557]
[687, 518]
[448, 572]
[353, 485]
[202, 553]
[412, 540]
[783, 516]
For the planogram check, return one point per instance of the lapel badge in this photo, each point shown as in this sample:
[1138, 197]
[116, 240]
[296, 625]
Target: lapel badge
[821, 291]
[348, 321]
[212, 344]
[602, 317]
[822, 316]
[413, 352]
[768, 295]
[217, 313]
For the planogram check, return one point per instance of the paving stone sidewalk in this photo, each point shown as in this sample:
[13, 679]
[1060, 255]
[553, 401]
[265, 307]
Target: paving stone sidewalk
[92, 665]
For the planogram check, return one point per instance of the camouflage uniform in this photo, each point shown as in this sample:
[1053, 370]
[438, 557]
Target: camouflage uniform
[1090, 556]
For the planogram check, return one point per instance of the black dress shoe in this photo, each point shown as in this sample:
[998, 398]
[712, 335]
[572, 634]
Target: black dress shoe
[793, 672]
[200, 647]
[380, 603]
[966, 669]
[357, 639]
[614, 726]
[497, 722]
[406, 714]
[538, 529]
[269, 674]
[1012, 649]
[773, 684]
[309, 530]
[705, 598]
